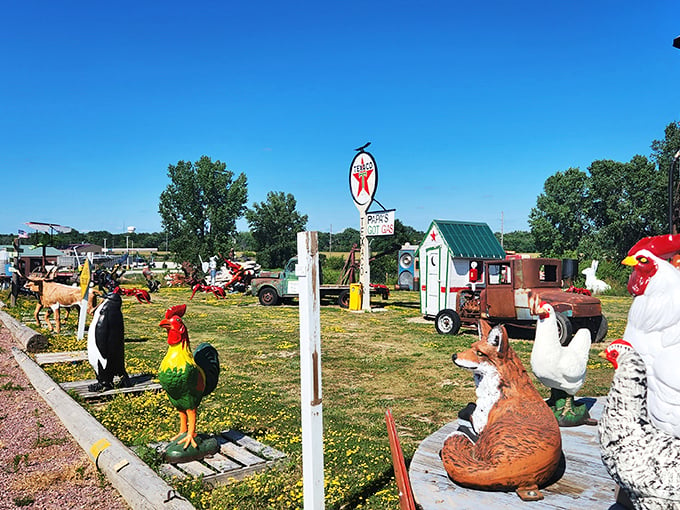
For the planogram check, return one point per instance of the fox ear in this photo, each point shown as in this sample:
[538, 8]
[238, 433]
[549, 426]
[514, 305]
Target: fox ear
[498, 338]
[484, 328]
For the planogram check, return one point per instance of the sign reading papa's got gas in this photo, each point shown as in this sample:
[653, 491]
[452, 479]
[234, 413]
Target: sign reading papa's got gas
[380, 223]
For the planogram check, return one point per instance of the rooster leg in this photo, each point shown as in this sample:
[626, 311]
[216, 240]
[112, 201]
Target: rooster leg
[182, 425]
[191, 430]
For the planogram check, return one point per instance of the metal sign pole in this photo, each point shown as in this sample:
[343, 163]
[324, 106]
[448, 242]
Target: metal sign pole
[307, 271]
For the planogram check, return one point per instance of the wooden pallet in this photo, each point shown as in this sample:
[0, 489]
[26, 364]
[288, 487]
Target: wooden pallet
[585, 483]
[140, 384]
[45, 358]
[239, 456]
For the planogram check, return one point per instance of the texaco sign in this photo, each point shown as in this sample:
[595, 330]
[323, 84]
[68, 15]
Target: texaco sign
[363, 179]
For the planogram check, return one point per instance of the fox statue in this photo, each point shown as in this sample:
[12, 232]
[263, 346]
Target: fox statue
[516, 442]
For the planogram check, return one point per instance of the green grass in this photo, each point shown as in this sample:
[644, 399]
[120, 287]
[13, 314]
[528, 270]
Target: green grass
[370, 362]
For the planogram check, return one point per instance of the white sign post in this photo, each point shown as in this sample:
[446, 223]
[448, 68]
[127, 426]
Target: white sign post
[363, 181]
[307, 271]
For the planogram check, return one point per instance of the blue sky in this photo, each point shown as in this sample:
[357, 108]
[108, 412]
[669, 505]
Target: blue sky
[469, 106]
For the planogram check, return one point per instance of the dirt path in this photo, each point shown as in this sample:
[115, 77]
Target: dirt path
[41, 466]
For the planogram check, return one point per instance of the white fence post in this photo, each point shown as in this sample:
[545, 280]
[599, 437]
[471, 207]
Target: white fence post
[307, 271]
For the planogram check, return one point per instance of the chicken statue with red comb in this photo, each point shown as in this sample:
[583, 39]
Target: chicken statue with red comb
[653, 327]
[187, 377]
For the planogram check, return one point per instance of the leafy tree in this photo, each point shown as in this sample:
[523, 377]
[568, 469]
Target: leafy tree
[627, 203]
[663, 153]
[519, 241]
[385, 249]
[274, 225]
[200, 206]
[562, 213]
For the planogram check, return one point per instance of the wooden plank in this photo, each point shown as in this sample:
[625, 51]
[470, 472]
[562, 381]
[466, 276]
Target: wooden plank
[585, 483]
[239, 454]
[195, 468]
[253, 445]
[45, 358]
[222, 464]
[140, 383]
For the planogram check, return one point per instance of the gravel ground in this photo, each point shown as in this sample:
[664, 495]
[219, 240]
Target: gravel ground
[41, 466]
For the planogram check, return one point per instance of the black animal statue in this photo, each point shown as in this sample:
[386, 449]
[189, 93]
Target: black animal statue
[106, 344]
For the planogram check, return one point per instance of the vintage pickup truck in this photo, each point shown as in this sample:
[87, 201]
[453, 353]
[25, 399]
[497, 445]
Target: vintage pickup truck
[503, 297]
[271, 288]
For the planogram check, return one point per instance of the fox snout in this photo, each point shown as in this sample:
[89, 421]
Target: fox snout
[454, 356]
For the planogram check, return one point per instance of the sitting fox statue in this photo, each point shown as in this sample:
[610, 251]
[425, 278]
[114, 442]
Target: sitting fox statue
[515, 443]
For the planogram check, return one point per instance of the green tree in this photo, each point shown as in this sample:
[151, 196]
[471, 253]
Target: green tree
[385, 250]
[663, 153]
[200, 206]
[628, 203]
[562, 213]
[274, 225]
[519, 241]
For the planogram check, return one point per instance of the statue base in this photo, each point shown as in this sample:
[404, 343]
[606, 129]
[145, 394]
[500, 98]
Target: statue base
[205, 445]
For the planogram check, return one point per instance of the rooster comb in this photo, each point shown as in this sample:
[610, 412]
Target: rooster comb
[175, 311]
[662, 246]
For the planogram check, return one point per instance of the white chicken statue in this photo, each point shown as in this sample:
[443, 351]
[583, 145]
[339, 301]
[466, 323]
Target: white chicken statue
[642, 459]
[562, 368]
[653, 327]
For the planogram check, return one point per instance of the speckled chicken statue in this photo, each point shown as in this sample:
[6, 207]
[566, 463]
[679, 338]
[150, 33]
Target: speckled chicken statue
[642, 459]
[187, 378]
[653, 327]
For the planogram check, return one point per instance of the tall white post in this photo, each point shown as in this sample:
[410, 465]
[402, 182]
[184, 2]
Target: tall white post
[307, 272]
[364, 265]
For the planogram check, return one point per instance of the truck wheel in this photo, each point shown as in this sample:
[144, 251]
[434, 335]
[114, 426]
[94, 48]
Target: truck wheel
[564, 328]
[268, 297]
[600, 334]
[343, 299]
[447, 322]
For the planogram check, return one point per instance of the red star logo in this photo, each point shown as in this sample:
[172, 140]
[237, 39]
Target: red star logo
[433, 235]
[362, 176]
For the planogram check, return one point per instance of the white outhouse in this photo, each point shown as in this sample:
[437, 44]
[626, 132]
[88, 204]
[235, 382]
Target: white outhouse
[451, 261]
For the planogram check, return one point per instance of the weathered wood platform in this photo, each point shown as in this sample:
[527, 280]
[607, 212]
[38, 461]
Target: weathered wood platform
[46, 358]
[585, 483]
[140, 384]
[239, 457]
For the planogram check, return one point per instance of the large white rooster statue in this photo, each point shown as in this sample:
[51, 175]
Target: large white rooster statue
[653, 327]
[562, 368]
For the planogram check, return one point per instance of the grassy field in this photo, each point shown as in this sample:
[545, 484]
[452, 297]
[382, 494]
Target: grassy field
[371, 362]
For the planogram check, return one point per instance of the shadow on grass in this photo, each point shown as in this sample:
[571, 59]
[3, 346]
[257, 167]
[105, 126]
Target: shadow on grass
[362, 494]
[136, 340]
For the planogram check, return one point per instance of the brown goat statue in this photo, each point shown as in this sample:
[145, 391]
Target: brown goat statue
[53, 296]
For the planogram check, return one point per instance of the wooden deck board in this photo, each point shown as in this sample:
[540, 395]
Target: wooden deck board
[240, 456]
[585, 483]
[140, 383]
[45, 358]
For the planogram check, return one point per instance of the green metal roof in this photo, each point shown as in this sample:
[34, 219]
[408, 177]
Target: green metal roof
[470, 240]
[30, 251]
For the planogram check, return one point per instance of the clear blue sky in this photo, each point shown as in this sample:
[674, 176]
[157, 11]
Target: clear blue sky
[469, 106]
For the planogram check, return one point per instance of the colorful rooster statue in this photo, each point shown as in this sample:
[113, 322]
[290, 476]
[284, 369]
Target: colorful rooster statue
[187, 378]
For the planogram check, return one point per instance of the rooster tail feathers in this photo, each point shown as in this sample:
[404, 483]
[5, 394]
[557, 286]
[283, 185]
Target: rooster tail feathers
[177, 310]
[207, 358]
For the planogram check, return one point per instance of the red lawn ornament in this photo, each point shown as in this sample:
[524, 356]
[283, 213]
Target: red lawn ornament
[406, 501]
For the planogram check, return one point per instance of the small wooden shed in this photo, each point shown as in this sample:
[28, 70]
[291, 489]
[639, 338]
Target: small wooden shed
[451, 260]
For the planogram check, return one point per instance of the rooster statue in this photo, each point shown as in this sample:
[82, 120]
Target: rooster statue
[562, 368]
[187, 378]
[642, 459]
[653, 327]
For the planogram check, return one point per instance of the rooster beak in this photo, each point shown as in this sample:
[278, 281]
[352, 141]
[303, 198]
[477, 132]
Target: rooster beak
[603, 354]
[629, 261]
[165, 323]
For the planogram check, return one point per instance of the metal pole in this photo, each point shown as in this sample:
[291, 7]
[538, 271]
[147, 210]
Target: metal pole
[307, 271]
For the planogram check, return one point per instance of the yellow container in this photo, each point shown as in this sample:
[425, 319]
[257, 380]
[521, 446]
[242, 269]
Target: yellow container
[355, 296]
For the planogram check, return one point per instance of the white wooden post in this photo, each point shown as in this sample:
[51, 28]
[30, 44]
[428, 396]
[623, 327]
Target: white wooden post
[364, 264]
[307, 271]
